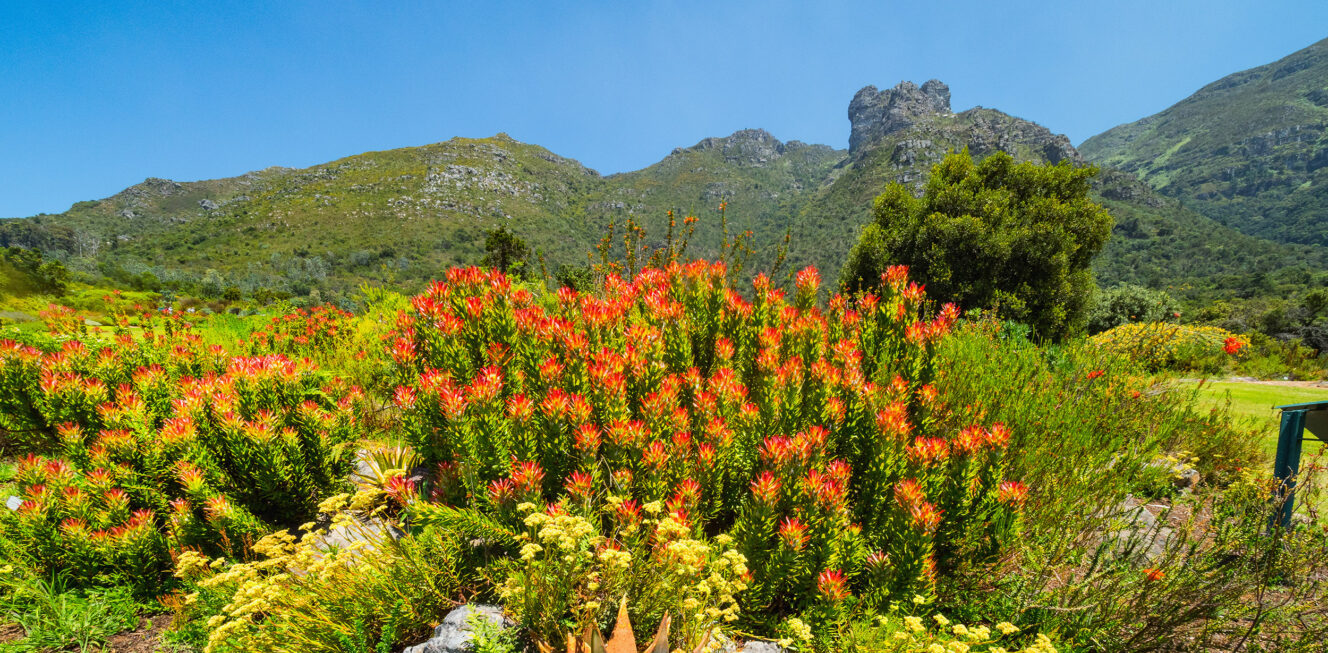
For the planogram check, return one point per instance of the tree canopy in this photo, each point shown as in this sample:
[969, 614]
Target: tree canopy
[1017, 238]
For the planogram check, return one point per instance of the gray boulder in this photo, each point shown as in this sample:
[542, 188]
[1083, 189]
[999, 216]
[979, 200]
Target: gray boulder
[455, 633]
[762, 647]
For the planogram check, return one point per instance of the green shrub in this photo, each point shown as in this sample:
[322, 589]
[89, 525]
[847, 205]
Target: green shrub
[1129, 303]
[1159, 346]
[163, 443]
[1017, 238]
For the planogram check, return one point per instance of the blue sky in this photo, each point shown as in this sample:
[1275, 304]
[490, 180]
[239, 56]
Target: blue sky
[99, 95]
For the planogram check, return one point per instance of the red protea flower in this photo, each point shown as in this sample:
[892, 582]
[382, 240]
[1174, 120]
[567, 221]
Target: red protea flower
[1094, 374]
[403, 351]
[656, 455]
[587, 439]
[724, 349]
[895, 276]
[486, 385]
[970, 440]
[928, 451]
[908, 493]
[528, 477]
[580, 485]
[628, 512]
[893, 420]
[177, 430]
[180, 506]
[793, 533]
[925, 517]
[832, 585]
[218, 507]
[687, 496]
[502, 491]
[401, 489]
[808, 280]
[766, 488]
[998, 435]
[404, 397]
[1012, 493]
[828, 492]
[1153, 575]
[877, 561]
[1232, 345]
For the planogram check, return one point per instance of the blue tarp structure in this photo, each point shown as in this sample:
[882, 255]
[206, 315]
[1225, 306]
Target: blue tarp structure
[1296, 419]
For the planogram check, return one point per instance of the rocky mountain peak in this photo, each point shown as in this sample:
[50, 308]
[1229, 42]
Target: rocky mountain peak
[874, 113]
[754, 147]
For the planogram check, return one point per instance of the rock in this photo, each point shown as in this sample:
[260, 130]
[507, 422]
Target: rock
[874, 113]
[1140, 536]
[13, 502]
[455, 633]
[371, 531]
[761, 647]
[1183, 476]
[207, 205]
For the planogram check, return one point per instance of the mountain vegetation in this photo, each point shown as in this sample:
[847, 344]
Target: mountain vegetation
[1249, 150]
[398, 216]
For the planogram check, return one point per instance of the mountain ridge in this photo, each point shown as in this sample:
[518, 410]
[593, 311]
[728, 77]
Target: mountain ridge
[400, 215]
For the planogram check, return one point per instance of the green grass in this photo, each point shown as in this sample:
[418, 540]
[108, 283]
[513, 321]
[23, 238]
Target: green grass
[1253, 402]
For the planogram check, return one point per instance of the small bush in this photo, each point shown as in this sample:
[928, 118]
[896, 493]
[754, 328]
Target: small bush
[163, 443]
[1158, 346]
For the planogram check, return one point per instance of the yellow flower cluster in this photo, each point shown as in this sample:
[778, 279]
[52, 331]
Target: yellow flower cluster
[911, 633]
[271, 584]
[567, 567]
[1160, 345]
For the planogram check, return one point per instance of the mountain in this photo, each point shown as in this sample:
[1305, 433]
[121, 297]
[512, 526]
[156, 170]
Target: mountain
[899, 133]
[400, 216]
[1249, 150]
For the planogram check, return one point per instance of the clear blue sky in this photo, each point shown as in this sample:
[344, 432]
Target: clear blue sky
[96, 96]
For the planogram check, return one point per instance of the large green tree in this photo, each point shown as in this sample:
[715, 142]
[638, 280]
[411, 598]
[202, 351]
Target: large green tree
[1016, 238]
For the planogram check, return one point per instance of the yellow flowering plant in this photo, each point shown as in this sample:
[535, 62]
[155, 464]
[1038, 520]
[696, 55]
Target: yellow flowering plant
[570, 576]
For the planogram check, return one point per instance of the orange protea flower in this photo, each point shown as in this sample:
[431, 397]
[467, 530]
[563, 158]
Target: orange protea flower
[766, 488]
[1152, 575]
[580, 485]
[528, 477]
[926, 517]
[1012, 493]
[793, 533]
[1232, 345]
[832, 585]
[1094, 374]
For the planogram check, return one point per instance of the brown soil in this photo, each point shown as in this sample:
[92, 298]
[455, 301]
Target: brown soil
[10, 633]
[146, 639]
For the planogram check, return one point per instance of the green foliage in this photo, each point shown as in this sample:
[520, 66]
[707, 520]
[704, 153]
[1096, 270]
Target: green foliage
[1160, 346]
[506, 252]
[1247, 150]
[1128, 303]
[163, 443]
[54, 618]
[24, 270]
[1014, 237]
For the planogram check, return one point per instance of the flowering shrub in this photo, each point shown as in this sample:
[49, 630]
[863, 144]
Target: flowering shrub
[939, 635]
[1157, 345]
[808, 434]
[295, 594]
[304, 332]
[566, 567]
[164, 442]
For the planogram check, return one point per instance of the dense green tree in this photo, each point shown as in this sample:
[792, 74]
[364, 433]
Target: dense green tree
[1017, 238]
[505, 251]
[1130, 303]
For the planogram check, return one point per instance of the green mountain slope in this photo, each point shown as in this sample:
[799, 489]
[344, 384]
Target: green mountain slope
[1249, 150]
[402, 215]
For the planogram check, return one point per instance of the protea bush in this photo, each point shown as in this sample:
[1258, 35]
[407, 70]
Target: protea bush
[808, 433]
[156, 441]
[305, 332]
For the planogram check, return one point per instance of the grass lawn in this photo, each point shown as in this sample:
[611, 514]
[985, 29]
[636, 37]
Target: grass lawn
[1255, 401]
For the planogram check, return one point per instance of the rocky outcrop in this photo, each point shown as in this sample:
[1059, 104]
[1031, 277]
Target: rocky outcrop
[874, 114]
[456, 632]
[745, 147]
